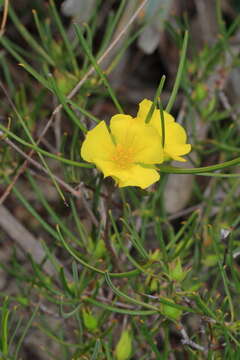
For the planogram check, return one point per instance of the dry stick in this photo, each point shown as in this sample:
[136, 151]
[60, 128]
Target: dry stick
[70, 96]
[67, 187]
[4, 18]
[225, 102]
[187, 341]
[184, 212]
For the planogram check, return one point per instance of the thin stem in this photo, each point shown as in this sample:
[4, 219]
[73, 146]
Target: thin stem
[4, 18]
[198, 170]
[157, 95]
[162, 122]
[179, 73]
[106, 235]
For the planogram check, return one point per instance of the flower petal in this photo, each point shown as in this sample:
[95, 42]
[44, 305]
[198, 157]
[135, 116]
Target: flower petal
[144, 108]
[175, 135]
[175, 142]
[136, 175]
[143, 139]
[119, 126]
[97, 144]
[139, 176]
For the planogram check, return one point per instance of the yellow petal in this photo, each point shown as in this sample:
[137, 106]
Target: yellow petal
[175, 142]
[105, 166]
[136, 175]
[141, 138]
[97, 144]
[175, 135]
[119, 126]
[155, 121]
[139, 176]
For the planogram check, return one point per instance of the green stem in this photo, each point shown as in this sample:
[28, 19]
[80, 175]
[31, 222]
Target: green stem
[179, 73]
[156, 97]
[199, 170]
[162, 122]
[118, 309]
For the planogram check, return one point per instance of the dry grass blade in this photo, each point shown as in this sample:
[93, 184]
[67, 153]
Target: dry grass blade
[4, 18]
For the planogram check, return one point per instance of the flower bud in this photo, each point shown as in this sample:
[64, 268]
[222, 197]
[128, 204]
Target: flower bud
[154, 285]
[124, 346]
[100, 249]
[89, 320]
[176, 272]
[155, 256]
[200, 92]
[22, 300]
[170, 311]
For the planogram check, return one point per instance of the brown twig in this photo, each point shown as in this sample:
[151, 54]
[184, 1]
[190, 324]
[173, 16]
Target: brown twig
[187, 341]
[226, 104]
[4, 18]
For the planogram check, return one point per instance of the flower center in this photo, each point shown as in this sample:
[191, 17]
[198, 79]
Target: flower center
[122, 156]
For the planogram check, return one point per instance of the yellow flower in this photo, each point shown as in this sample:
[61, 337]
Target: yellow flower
[175, 136]
[127, 153]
